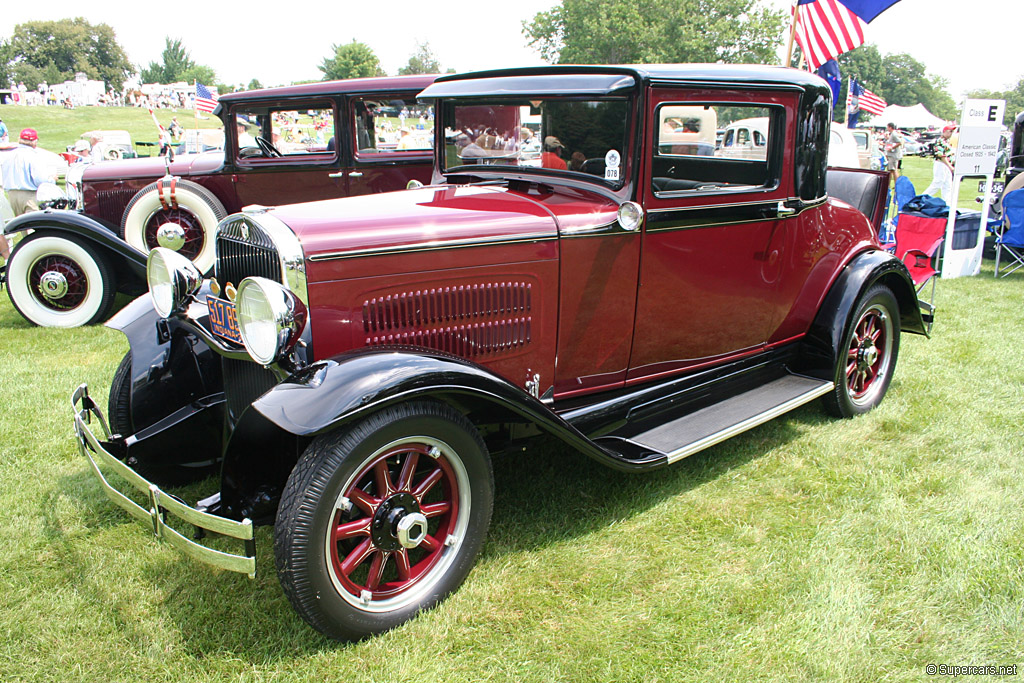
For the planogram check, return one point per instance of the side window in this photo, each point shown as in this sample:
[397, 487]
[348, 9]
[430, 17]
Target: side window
[687, 158]
[389, 125]
[288, 132]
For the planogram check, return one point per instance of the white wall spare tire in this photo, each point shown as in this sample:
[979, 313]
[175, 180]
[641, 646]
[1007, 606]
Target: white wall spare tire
[58, 281]
[172, 200]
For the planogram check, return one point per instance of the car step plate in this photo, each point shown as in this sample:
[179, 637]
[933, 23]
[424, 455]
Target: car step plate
[715, 423]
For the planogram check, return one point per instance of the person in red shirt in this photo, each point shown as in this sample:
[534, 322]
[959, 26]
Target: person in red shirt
[552, 155]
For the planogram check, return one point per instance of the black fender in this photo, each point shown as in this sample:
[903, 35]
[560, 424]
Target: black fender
[864, 270]
[330, 394]
[128, 262]
[176, 388]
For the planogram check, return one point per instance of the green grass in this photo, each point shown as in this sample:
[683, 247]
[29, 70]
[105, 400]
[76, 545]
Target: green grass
[806, 549]
[58, 127]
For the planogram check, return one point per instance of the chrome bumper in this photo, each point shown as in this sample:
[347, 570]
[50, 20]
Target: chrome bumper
[160, 504]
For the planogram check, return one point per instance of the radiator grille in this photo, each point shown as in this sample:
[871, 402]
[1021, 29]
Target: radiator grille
[243, 250]
[467, 320]
[244, 382]
[110, 204]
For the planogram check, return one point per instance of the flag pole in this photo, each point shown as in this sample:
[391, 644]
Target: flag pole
[792, 33]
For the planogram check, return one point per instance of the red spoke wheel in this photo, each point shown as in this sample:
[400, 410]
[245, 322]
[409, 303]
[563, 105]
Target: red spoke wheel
[866, 361]
[383, 520]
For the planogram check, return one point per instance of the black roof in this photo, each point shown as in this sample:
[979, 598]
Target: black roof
[360, 85]
[569, 79]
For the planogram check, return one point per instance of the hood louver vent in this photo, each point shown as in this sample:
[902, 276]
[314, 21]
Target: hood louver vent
[468, 320]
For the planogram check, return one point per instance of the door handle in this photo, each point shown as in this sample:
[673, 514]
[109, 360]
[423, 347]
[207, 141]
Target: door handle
[355, 174]
[783, 211]
[339, 174]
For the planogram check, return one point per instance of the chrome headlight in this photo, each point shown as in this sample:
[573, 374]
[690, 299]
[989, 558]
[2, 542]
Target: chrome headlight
[172, 279]
[270, 318]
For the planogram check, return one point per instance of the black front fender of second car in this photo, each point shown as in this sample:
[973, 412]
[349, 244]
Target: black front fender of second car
[172, 367]
[330, 394]
[825, 335]
[129, 262]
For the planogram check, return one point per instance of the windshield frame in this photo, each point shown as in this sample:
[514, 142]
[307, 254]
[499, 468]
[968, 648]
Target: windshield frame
[445, 111]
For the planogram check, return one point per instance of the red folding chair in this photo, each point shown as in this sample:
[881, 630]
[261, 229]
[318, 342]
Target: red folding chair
[918, 240]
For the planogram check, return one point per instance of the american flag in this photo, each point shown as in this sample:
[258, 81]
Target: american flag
[826, 29]
[865, 100]
[205, 100]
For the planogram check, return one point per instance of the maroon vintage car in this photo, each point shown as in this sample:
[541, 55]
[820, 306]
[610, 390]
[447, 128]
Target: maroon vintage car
[354, 364]
[281, 145]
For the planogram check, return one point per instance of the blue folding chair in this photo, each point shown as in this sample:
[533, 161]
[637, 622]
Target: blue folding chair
[1012, 237]
[904, 193]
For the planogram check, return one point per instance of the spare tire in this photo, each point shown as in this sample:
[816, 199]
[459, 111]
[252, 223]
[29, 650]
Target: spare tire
[173, 200]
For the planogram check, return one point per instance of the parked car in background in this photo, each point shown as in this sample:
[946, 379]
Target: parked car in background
[282, 145]
[869, 154]
[352, 365]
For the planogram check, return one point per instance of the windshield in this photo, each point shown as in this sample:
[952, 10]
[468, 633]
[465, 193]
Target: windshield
[571, 136]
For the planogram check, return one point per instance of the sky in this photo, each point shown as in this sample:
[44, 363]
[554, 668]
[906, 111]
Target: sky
[972, 45]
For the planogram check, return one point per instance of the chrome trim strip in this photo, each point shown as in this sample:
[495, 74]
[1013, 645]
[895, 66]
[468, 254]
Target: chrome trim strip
[610, 228]
[160, 504]
[289, 250]
[749, 423]
[434, 246]
[799, 207]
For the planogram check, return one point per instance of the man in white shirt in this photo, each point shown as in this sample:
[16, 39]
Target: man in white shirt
[24, 170]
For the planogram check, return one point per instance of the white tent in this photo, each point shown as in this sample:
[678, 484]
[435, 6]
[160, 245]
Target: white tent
[907, 117]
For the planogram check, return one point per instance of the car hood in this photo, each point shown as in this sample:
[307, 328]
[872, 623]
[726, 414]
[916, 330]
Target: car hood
[153, 167]
[429, 217]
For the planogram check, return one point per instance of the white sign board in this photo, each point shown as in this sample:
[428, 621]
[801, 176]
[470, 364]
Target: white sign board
[981, 122]
[980, 126]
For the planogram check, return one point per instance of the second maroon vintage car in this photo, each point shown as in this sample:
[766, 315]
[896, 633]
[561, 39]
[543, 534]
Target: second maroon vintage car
[581, 268]
[290, 144]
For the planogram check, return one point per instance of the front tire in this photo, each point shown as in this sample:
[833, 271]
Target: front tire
[58, 281]
[866, 361]
[195, 209]
[383, 520]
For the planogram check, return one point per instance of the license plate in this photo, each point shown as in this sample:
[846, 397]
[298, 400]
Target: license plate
[224, 319]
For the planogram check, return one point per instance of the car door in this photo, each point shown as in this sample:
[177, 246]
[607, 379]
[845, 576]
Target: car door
[711, 251]
[303, 160]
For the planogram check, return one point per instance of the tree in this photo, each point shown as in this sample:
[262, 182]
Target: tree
[255, 84]
[1014, 100]
[422, 61]
[897, 78]
[648, 31]
[55, 51]
[352, 60]
[177, 65]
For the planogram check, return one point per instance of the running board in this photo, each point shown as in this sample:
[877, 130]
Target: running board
[716, 423]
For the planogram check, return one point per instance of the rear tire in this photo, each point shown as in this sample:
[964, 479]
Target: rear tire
[866, 360]
[341, 555]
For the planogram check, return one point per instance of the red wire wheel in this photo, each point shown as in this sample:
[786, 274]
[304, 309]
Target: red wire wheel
[192, 227]
[59, 283]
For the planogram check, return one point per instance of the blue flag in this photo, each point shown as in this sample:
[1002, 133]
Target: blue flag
[867, 10]
[830, 72]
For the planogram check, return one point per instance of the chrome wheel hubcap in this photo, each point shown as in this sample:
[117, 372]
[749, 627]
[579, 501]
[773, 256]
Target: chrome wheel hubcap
[53, 285]
[170, 236]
